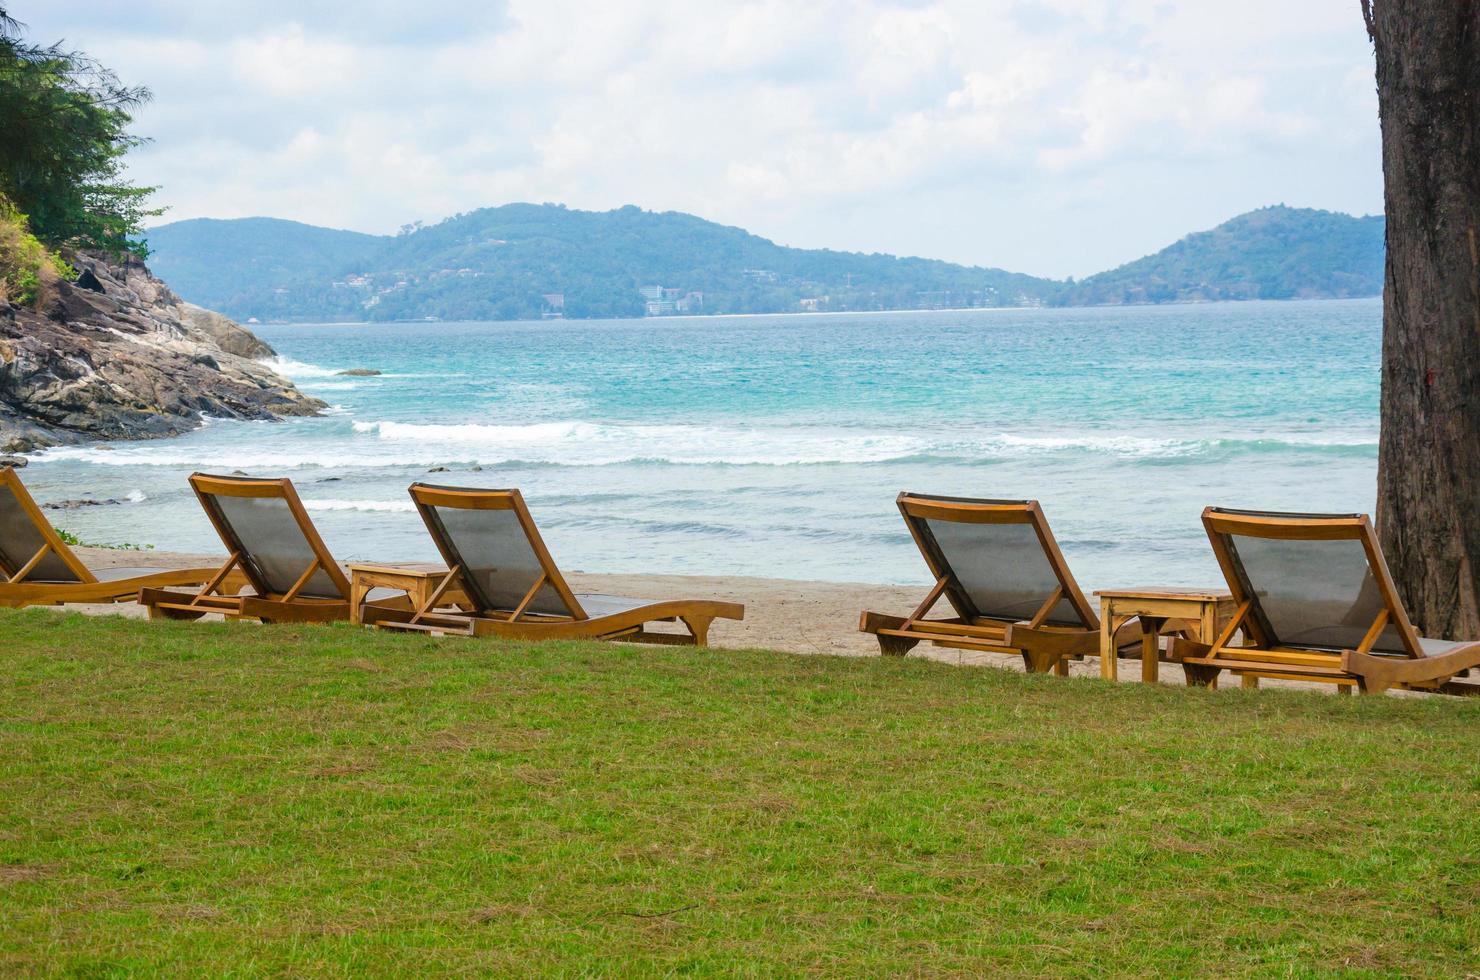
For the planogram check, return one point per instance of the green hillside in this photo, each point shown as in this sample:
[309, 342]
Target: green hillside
[230, 265]
[525, 261]
[1273, 253]
[513, 262]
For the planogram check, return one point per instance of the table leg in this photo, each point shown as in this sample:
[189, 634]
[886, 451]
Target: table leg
[1108, 667]
[357, 593]
[1150, 648]
[1250, 681]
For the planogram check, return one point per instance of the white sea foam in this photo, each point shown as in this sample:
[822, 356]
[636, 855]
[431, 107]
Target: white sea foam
[295, 370]
[371, 444]
[368, 506]
[135, 496]
[576, 443]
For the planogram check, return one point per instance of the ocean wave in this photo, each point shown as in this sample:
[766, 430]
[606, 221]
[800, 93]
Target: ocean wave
[365, 506]
[577, 443]
[393, 444]
[296, 370]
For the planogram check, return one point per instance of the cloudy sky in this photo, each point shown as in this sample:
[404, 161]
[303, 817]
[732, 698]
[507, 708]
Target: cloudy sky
[1057, 137]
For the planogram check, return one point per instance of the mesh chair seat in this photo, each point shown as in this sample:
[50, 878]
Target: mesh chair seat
[1437, 648]
[116, 574]
[22, 535]
[598, 605]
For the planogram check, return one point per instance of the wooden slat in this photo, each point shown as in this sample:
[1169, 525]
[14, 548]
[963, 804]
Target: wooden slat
[954, 641]
[1266, 667]
[1281, 655]
[1047, 607]
[959, 629]
[29, 566]
[465, 630]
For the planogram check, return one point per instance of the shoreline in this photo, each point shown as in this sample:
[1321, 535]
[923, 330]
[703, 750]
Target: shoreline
[1042, 307]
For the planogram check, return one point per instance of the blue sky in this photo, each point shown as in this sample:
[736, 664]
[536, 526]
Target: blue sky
[1056, 137]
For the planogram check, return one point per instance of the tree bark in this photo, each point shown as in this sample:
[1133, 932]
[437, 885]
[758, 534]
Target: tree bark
[1428, 475]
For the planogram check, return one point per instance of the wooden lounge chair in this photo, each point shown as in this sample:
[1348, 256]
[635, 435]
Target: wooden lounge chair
[998, 565]
[271, 541]
[1316, 602]
[38, 569]
[495, 554]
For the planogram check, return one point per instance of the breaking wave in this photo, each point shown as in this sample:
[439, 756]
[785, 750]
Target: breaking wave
[371, 444]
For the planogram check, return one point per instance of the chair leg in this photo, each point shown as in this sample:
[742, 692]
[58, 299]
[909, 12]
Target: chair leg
[699, 627]
[896, 646]
[1042, 661]
[157, 613]
[1200, 675]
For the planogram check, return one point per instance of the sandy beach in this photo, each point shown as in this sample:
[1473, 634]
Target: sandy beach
[801, 617]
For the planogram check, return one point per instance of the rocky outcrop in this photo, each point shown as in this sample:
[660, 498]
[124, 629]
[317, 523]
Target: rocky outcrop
[119, 356]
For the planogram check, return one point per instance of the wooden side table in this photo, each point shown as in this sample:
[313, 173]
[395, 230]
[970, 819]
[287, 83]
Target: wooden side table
[1205, 609]
[417, 581]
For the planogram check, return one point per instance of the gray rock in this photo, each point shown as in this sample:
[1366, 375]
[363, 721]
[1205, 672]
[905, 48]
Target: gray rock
[439, 469]
[19, 462]
[78, 504]
[225, 333]
[359, 373]
[86, 280]
[130, 362]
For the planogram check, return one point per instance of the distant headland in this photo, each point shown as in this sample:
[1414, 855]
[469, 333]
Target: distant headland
[528, 261]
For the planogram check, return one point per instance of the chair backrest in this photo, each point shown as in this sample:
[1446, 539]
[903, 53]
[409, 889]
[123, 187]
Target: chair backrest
[1315, 581]
[998, 557]
[25, 531]
[264, 524]
[490, 538]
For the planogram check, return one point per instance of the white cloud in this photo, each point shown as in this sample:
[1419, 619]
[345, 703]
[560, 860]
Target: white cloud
[1051, 136]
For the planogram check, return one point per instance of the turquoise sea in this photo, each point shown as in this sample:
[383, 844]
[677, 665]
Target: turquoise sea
[775, 445]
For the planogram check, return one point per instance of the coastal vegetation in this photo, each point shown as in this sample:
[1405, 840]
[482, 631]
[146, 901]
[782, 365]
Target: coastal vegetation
[28, 269]
[213, 798]
[65, 120]
[65, 123]
[525, 261]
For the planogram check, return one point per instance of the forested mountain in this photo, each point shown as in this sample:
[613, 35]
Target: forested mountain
[1272, 253]
[526, 261]
[233, 265]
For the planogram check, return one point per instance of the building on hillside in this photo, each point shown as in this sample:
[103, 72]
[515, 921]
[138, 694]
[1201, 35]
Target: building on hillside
[668, 300]
[554, 308]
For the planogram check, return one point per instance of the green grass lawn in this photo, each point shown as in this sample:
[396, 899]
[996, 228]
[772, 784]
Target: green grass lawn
[191, 798]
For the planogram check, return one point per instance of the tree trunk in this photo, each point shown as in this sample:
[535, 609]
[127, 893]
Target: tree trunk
[1428, 472]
